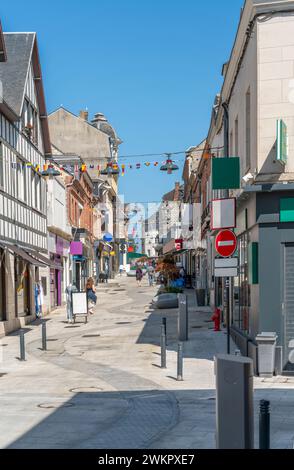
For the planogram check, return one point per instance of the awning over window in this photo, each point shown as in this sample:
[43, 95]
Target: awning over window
[22, 254]
[44, 260]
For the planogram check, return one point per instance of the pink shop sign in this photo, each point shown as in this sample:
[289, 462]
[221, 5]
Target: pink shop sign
[76, 248]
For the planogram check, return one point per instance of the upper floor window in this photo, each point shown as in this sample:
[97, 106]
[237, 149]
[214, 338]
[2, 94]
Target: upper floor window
[248, 129]
[1, 166]
[30, 121]
[236, 137]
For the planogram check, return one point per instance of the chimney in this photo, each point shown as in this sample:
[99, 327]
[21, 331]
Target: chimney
[98, 118]
[84, 115]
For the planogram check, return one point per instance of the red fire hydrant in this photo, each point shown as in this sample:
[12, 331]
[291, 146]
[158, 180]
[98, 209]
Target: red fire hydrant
[217, 319]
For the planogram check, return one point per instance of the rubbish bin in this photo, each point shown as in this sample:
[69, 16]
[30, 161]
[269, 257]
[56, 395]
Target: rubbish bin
[266, 353]
[200, 295]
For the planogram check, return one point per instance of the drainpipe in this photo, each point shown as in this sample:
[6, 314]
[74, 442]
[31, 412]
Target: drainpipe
[226, 195]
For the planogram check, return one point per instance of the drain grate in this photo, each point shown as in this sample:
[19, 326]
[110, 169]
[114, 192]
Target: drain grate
[49, 406]
[197, 327]
[2, 374]
[86, 389]
[52, 339]
[91, 336]
[123, 323]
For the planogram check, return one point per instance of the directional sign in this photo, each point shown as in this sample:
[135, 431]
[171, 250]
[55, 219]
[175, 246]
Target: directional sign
[226, 243]
[226, 272]
[226, 267]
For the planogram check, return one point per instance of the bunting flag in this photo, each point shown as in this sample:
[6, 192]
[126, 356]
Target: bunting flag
[83, 167]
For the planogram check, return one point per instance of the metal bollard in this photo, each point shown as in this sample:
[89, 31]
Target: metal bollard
[44, 336]
[22, 345]
[180, 362]
[163, 347]
[165, 329]
[264, 425]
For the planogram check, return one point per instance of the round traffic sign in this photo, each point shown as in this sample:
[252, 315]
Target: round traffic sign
[226, 243]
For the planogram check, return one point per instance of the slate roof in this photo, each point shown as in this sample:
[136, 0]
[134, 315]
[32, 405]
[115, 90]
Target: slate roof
[14, 71]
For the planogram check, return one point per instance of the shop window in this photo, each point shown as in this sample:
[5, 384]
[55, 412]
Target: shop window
[242, 294]
[1, 166]
[2, 286]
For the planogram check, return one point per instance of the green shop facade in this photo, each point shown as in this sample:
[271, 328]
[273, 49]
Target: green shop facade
[263, 294]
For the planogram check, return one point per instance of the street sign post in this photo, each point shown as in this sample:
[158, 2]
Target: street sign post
[226, 243]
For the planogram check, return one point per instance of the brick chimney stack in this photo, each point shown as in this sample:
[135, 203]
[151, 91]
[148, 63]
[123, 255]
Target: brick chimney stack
[84, 115]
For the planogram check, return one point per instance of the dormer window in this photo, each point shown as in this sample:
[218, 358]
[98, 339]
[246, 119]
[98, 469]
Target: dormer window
[30, 122]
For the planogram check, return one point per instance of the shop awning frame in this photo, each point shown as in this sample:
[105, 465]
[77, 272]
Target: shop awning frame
[22, 254]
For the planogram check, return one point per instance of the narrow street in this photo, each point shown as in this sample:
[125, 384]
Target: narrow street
[99, 385]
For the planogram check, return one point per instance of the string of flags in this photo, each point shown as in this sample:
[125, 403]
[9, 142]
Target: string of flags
[83, 167]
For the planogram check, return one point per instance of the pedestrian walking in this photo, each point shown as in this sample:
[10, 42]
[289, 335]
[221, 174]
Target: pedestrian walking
[139, 276]
[91, 296]
[121, 270]
[69, 291]
[150, 271]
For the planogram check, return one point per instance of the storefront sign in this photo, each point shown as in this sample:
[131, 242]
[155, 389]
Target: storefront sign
[178, 245]
[223, 213]
[76, 248]
[226, 173]
[282, 142]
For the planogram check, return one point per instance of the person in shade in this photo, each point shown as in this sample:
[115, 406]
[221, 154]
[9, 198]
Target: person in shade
[139, 276]
[69, 291]
[91, 296]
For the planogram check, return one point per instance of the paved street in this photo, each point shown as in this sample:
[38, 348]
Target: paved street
[99, 385]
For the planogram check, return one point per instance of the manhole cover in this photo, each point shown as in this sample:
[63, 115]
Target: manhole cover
[86, 390]
[55, 405]
[91, 336]
[3, 345]
[2, 374]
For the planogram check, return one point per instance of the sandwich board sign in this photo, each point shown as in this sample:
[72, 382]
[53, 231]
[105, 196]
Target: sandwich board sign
[223, 214]
[79, 305]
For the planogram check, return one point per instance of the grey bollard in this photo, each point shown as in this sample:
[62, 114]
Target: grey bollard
[22, 345]
[44, 336]
[183, 320]
[264, 425]
[234, 402]
[163, 348]
[180, 362]
[165, 328]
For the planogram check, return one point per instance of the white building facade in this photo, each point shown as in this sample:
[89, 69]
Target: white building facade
[24, 143]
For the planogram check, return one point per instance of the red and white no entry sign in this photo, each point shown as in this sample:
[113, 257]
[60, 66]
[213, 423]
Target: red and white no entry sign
[226, 243]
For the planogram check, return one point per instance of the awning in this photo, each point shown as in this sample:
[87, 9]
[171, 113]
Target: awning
[44, 260]
[22, 253]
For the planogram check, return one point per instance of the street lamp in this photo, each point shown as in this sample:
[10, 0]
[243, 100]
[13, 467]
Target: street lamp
[50, 172]
[111, 169]
[169, 166]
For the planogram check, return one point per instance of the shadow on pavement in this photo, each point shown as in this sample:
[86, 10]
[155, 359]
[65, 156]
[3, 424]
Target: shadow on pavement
[140, 419]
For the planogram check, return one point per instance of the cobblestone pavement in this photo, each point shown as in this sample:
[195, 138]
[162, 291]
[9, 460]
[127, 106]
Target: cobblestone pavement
[99, 385]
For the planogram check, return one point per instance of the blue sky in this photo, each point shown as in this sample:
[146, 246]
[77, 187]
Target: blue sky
[152, 67]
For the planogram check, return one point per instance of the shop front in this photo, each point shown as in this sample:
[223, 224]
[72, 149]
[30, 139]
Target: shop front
[59, 269]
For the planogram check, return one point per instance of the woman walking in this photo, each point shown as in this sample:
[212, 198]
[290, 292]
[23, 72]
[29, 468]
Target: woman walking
[139, 275]
[91, 296]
